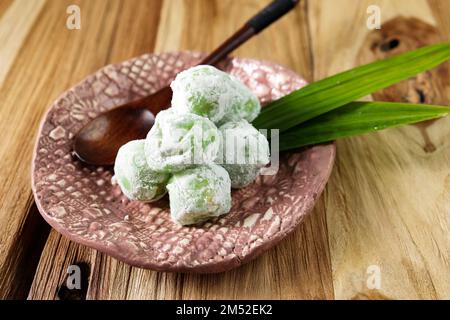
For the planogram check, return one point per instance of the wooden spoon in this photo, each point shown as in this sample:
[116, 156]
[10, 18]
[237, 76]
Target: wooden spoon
[98, 141]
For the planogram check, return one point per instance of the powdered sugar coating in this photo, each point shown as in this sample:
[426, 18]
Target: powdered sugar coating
[199, 193]
[177, 141]
[209, 92]
[248, 108]
[136, 180]
[242, 175]
[245, 152]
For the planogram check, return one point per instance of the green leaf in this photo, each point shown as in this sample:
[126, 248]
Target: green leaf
[357, 118]
[330, 93]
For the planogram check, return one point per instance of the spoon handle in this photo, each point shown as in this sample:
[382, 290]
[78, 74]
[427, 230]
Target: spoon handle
[271, 13]
[160, 100]
[259, 22]
[99, 140]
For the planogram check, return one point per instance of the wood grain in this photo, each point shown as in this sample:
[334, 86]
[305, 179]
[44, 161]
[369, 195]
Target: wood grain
[439, 9]
[386, 198]
[15, 25]
[385, 205]
[4, 5]
[18, 215]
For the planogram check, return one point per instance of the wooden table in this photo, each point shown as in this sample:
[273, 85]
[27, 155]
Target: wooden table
[385, 211]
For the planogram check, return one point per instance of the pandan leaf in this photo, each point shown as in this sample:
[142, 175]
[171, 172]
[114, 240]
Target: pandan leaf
[338, 90]
[357, 118]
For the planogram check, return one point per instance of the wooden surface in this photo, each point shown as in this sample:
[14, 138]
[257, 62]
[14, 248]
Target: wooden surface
[386, 204]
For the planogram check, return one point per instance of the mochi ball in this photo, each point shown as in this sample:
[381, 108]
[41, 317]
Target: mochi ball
[245, 152]
[209, 92]
[242, 175]
[246, 107]
[136, 180]
[199, 193]
[179, 140]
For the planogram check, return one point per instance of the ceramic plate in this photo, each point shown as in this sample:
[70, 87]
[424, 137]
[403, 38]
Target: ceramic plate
[81, 203]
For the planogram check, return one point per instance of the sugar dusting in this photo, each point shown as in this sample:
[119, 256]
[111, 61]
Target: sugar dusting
[225, 96]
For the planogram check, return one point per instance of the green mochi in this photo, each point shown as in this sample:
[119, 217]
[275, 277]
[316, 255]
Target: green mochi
[209, 92]
[178, 141]
[245, 152]
[199, 193]
[135, 178]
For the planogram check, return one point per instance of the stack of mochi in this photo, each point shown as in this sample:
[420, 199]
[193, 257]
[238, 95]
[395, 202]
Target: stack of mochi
[198, 149]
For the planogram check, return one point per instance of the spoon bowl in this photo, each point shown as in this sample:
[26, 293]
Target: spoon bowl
[109, 131]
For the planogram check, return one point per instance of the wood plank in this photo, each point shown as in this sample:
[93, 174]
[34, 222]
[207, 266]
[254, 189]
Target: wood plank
[51, 49]
[387, 200]
[20, 262]
[289, 37]
[58, 254]
[4, 5]
[15, 24]
[299, 267]
[16, 21]
[440, 10]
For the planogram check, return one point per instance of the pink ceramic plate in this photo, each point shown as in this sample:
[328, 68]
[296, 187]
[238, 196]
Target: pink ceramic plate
[81, 203]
